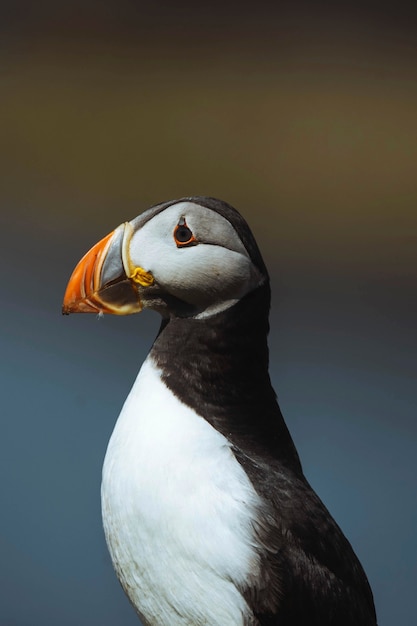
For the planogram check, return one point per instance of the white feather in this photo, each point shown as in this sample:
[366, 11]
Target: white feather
[177, 512]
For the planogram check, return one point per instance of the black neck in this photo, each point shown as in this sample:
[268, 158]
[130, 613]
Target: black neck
[219, 367]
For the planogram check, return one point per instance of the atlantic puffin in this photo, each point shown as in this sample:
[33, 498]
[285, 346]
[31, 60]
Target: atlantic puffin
[207, 514]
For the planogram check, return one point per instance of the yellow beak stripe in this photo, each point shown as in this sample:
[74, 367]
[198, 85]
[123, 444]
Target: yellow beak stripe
[142, 277]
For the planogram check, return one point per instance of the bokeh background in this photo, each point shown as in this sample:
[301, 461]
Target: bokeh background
[303, 116]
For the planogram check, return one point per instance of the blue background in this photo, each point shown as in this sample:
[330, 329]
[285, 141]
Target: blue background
[304, 119]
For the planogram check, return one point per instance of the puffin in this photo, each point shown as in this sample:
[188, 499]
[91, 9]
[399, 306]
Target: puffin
[208, 517]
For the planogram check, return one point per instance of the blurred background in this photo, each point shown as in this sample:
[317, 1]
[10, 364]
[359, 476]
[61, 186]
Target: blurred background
[303, 116]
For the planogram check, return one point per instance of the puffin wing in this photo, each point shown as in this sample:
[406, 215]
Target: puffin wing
[310, 575]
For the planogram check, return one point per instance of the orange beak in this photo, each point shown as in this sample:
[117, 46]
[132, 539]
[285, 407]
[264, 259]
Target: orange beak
[99, 283]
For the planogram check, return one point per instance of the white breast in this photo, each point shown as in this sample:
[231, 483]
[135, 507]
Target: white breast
[177, 512]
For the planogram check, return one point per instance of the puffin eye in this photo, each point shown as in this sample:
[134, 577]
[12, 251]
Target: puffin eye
[183, 235]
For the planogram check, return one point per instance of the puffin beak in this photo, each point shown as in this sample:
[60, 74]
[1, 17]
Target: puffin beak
[105, 280]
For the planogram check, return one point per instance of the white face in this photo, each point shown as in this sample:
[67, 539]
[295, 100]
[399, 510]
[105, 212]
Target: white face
[210, 273]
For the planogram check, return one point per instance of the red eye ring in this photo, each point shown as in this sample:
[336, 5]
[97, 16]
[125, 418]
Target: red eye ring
[183, 236]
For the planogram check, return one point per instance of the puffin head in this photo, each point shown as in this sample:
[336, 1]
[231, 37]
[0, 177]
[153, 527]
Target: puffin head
[190, 257]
